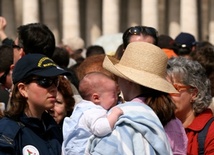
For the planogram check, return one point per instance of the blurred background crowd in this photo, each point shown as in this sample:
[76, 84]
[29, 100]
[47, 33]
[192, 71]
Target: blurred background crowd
[91, 19]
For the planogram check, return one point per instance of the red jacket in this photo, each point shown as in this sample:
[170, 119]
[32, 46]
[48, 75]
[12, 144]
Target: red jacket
[192, 133]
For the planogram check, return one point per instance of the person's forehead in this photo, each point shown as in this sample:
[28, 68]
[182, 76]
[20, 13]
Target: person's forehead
[135, 38]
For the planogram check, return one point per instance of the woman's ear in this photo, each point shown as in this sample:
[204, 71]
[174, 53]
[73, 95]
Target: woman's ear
[194, 93]
[12, 67]
[23, 90]
[21, 52]
[95, 98]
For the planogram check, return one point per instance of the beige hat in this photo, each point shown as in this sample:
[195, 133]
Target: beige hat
[142, 63]
[74, 43]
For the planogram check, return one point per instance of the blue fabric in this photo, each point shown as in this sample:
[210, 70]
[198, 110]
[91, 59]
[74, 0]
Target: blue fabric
[76, 137]
[137, 132]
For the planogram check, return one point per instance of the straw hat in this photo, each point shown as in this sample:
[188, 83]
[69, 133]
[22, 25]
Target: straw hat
[142, 63]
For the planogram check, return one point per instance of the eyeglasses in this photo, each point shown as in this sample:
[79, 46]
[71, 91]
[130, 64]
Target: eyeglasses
[45, 82]
[181, 88]
[141, 30]
[16, 46]
[3, 77]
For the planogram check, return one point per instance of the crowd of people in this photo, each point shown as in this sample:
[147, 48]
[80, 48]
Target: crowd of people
[155, 95]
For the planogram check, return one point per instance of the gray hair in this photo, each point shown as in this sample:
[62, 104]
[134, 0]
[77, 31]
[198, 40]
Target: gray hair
[189, 72]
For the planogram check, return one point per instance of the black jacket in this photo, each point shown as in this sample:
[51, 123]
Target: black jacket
[30, 135]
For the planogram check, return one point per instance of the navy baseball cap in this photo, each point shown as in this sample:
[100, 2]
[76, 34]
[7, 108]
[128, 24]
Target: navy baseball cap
[185, 39]
[36, 64]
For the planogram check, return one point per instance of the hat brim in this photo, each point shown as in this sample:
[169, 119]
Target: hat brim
[50, 72]
[143, 78]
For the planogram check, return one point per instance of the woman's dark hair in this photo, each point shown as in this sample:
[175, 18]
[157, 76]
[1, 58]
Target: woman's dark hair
[94, 50]
[161, 103]
[119, 52]
[61, 57]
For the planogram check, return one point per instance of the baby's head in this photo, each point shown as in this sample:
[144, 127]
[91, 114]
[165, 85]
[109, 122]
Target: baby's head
[100, 89]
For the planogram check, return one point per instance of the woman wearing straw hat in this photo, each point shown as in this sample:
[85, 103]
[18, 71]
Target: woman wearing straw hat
[141, 76]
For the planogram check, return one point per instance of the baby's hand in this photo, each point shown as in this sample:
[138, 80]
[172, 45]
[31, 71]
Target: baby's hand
[117, 111]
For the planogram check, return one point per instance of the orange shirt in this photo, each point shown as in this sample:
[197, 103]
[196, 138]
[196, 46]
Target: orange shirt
[170, 53]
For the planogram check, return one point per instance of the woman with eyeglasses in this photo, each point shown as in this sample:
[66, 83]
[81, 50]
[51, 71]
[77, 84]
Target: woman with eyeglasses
[26, 127]
[192, 103]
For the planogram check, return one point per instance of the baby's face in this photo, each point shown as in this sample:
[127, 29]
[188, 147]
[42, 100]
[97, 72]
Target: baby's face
[109, 97]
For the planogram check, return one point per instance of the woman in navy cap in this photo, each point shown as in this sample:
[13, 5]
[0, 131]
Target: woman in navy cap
[26, 127]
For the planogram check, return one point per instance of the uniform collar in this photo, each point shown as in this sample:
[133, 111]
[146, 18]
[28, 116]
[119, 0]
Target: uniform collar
[36, 123]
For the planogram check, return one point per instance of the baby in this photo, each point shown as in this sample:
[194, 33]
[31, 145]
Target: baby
[90, 116]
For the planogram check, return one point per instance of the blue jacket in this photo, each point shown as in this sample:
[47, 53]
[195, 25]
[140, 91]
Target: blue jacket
[29, 136]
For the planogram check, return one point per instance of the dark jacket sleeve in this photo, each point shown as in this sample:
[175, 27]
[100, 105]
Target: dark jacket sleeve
[8, 42]
[8, 132]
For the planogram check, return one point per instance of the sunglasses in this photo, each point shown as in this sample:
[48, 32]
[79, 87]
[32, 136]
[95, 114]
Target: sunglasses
[137, 30]
[181, 88]
[4, 76]
[44, 82]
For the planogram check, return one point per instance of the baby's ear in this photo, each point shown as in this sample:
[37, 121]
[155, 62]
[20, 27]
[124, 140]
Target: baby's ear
[95, 98]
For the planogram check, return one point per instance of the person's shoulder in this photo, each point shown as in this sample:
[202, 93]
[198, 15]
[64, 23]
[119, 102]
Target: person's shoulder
[9, 126]
[6, 120]
[211, 127]
[174, 126]
[8, 42]
[8, 131]
[86, 104]
[135, 106]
